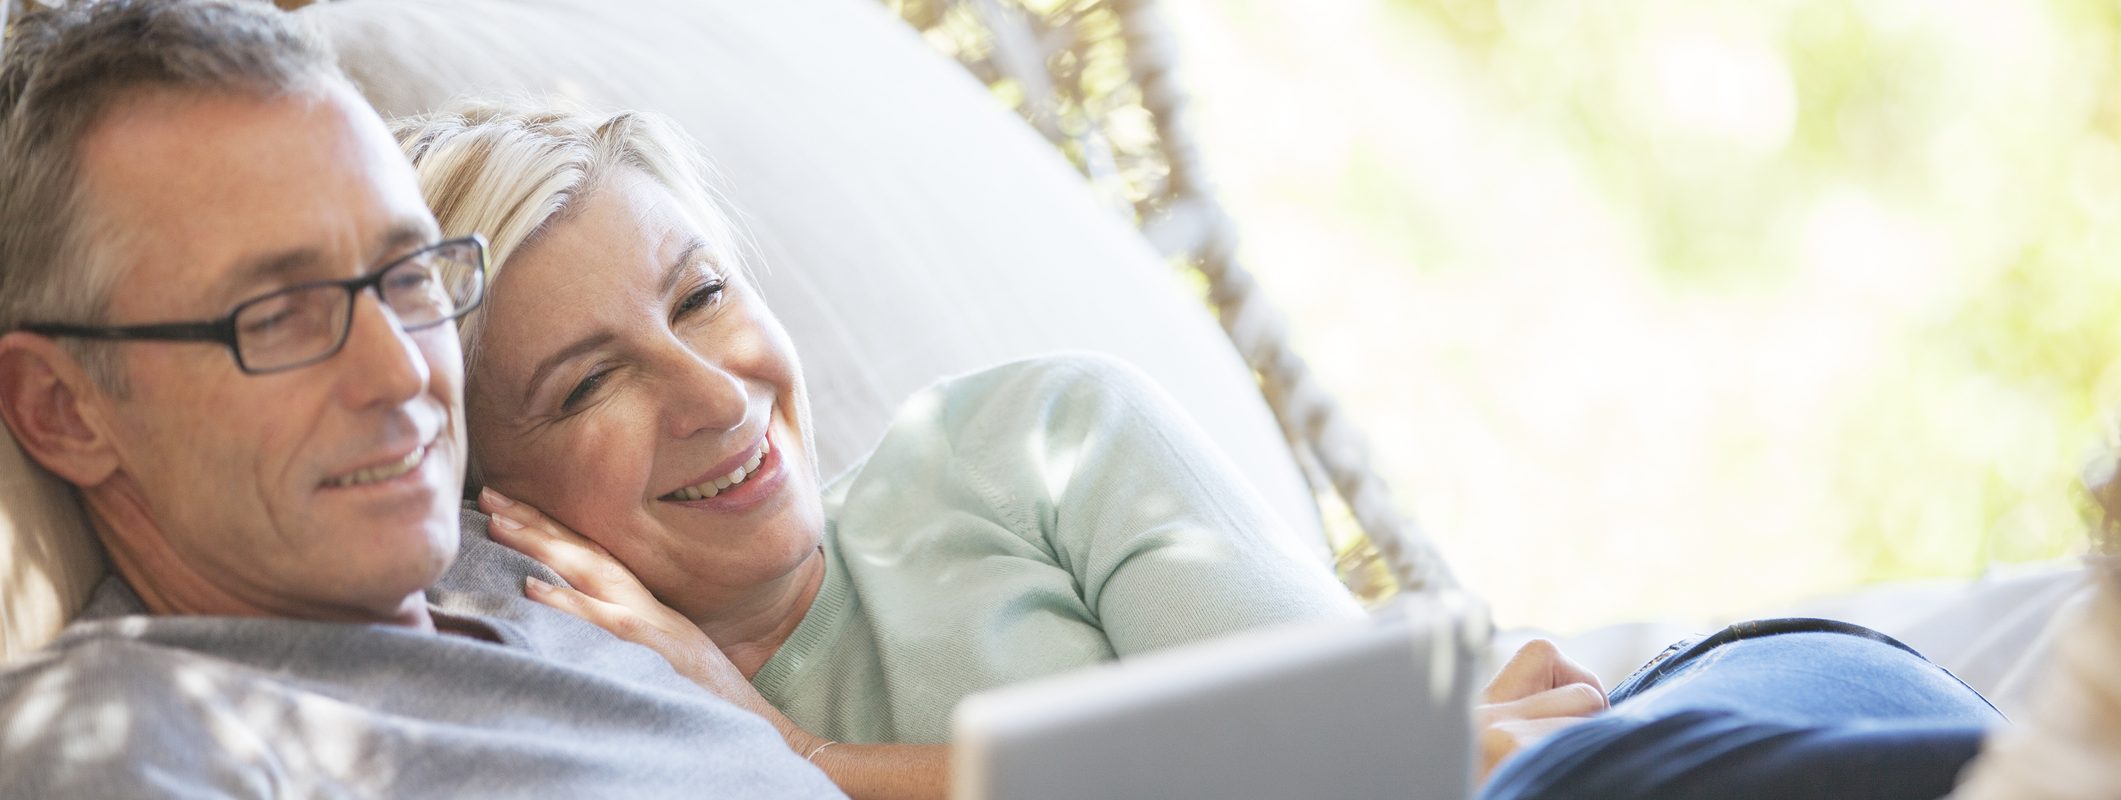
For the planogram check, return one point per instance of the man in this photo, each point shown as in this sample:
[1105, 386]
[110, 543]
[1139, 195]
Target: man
[228, 324]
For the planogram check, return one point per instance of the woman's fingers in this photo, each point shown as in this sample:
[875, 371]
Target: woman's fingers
[681, 644]
[1573, 700]
[1510, 721]
[583, 563]
[1567, 671]
[499, 505]
[1507, 726]
[687, 648]
[609, 616]
[1527, 673]
[604, 592]
[1537, 667]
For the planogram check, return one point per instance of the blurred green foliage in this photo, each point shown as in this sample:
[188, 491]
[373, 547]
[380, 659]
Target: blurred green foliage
[1858, 255]
[2002, 149]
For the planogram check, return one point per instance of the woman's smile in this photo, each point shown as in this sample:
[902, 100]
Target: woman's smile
[741, 488]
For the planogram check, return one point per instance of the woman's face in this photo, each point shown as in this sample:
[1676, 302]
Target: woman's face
[643, 395]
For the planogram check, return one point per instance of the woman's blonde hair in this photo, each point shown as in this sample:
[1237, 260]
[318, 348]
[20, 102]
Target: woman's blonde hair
[510, 170]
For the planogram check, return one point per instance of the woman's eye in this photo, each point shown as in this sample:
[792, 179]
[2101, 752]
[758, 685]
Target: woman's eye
[583, 390]
[703, 296]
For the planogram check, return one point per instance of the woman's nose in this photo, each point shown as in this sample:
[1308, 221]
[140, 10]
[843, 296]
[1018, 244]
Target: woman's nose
[706, 397]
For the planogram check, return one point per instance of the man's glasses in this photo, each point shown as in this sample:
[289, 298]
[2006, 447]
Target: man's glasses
[302, 325]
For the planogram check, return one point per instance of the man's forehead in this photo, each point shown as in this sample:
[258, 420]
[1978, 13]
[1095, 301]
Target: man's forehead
[199, 190]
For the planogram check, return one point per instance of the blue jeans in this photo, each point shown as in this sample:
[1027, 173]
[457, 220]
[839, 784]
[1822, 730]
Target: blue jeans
[1787, 708]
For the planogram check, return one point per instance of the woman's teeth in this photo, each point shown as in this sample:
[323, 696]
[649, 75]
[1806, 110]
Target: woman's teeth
[382, 473]
[716, 486]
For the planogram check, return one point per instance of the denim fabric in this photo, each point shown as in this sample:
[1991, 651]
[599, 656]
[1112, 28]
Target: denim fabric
[1789, 708]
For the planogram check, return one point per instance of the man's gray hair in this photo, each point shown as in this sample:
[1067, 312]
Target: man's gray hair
[63, 69]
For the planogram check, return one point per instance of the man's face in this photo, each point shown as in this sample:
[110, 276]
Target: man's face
[324, 492]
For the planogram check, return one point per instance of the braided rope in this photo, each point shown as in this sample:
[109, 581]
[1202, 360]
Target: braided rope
[1309, 416]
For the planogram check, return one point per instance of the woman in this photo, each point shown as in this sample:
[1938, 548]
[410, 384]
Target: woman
[625, 380]
[624, 376]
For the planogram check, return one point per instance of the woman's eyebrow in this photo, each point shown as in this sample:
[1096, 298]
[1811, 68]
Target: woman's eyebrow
[676, 271]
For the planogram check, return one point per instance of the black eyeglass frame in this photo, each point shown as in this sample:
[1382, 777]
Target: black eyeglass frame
[223, 330]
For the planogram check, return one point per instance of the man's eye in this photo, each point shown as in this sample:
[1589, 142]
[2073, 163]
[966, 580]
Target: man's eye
[266, 324]
[703, 296]
[408, 280]
[583, 390]
[287, 314]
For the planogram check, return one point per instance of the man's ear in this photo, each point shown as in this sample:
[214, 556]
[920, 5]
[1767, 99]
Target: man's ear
[46, 399]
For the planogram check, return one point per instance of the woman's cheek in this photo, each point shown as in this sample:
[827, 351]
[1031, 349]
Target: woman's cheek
[618, 450]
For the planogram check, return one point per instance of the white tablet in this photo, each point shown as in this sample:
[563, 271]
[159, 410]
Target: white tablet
[1328, 711]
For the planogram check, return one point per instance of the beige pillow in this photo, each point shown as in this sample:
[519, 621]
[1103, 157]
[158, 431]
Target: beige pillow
[911, 227]
[50, 560]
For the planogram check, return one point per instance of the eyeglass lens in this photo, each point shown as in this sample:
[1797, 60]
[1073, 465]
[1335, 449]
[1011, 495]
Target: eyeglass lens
[309, 322]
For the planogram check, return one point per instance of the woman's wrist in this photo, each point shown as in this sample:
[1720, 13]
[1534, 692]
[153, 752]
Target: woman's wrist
[812, 755]
[802, 742]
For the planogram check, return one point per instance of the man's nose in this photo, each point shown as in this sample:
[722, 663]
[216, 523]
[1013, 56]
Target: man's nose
[381, 363]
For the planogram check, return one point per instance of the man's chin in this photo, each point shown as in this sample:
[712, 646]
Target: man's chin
[408, 547]
[401, 531]
[407, 562]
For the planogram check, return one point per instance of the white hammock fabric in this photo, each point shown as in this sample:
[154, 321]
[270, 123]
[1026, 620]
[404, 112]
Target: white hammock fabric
[2069, 746]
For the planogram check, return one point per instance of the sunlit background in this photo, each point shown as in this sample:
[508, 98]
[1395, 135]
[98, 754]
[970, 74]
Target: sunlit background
[1691, 307]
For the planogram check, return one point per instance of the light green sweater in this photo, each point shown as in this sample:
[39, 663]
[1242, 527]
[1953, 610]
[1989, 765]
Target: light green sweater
[1024, 521]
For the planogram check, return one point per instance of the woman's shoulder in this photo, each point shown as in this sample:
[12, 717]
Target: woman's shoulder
[1014, 410]
[969, 414]
[994, 435]
[1054, 391]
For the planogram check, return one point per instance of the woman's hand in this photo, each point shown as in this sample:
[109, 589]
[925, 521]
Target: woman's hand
[1538, 692]
[606, 594]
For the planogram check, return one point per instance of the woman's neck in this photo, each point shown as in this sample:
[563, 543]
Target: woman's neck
[751, 633]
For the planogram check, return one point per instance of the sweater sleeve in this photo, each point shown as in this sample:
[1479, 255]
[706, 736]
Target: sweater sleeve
[1166, 541]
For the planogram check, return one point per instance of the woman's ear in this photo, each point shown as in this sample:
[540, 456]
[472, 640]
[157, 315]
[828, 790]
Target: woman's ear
[45, 399]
